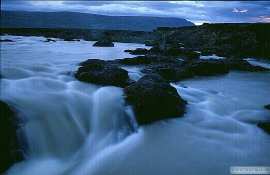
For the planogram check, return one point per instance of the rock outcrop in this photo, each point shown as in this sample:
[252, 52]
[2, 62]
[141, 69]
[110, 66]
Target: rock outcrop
[154, 99]
[9, 145]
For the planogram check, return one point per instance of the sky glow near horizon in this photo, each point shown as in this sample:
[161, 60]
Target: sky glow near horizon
[196, 11]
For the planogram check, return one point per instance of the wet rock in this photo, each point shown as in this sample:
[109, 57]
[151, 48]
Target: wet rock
[138, 51]
[9, 144]
[147, 59]
[180, 70]
[103, 43]
[136, 60]
[102, 72]
[171, 71]
[209, 67]
[267, 106]
[71, 39]
[50, 40]
[207, 52]
[243, 65]
[184, 53]
[154, 99]
[265, 126]
[6, 40]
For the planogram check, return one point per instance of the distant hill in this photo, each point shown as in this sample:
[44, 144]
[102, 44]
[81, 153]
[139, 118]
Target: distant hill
[23, 19]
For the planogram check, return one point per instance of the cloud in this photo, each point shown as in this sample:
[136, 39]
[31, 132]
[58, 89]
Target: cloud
[195, 11]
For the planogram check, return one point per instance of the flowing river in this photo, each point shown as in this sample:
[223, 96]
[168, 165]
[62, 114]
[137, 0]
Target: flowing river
[74, 128]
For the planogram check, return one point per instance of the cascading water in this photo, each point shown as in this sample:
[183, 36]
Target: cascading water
[75, 128]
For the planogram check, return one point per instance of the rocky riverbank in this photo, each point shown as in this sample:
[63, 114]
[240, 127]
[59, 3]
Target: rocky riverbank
[239, 40]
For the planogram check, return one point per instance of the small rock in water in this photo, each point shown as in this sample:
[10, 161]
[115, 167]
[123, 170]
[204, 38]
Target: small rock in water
[102, 72]
[9, 146]
[154, 99]
[103, 43]
[50, 40]
[265, 126]
[267, 106]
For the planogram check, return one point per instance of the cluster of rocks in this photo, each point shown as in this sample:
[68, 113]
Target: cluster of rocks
[152, 96]
[9, 146]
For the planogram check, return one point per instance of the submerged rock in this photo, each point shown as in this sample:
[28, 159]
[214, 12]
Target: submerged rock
[102, 72]
[267, 106]
[154, 99]
[265, 126]
[9, 145]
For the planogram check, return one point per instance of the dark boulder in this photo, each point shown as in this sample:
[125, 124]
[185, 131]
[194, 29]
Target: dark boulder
[267, 106]
[138, 51]
[102, 72]
[265, 126]
[154, 99]
[9, 144]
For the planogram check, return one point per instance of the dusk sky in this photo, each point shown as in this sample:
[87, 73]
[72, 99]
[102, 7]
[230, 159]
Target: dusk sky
[195, 11]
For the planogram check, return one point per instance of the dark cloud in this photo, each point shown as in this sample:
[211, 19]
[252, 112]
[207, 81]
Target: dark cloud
[195, 11]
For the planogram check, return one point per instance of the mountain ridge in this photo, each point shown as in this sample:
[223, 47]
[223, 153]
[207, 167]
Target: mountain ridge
[65, 19]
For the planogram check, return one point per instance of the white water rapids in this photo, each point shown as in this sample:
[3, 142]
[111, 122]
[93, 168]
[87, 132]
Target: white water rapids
[75, 128]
